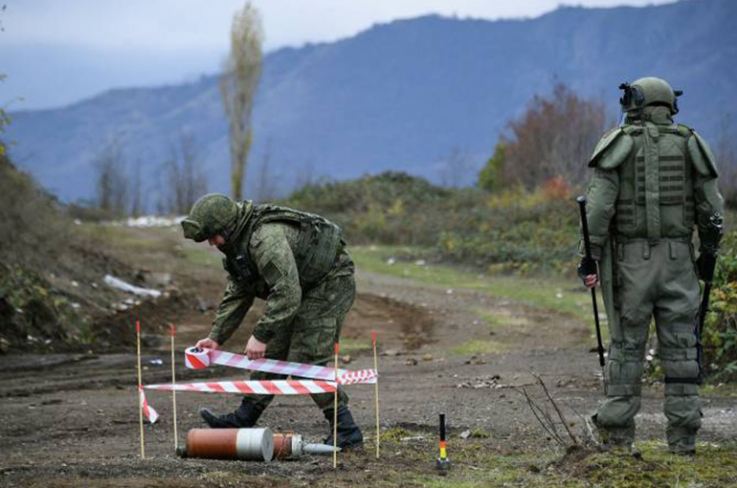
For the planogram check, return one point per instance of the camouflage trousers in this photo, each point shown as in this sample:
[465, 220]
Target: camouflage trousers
[310, 337]
[654, 281]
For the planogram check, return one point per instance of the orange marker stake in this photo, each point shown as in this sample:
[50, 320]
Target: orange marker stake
[335, 413]
[173, 382]
[376, 392]
[140, 386]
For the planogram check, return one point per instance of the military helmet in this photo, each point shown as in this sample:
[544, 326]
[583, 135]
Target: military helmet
[649, 91]
[210, 215]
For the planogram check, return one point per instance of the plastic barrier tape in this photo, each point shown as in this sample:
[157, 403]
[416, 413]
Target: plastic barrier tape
[279, 387]
[151, 414]
[202, 358]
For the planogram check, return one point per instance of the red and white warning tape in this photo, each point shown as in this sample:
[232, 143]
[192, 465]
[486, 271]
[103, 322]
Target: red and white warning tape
[151, 414]
[279, 387]
[202, 358]
[322, 378]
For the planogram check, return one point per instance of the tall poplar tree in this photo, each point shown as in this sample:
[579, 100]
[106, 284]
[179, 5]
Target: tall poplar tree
[238, 85]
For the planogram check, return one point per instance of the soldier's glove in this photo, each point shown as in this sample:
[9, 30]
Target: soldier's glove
[705, 265]
[586, 267]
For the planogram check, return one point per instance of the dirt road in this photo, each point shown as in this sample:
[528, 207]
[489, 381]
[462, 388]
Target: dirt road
[72, 420]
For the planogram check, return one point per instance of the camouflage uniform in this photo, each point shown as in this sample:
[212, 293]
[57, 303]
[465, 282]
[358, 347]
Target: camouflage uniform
[296, 262]
[653, 182]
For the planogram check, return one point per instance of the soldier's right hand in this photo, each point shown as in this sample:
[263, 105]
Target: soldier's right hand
[586, 270]
[591, 281]
[207, 344]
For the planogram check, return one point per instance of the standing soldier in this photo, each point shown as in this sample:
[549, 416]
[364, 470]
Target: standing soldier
[296, 262]
[653, 181]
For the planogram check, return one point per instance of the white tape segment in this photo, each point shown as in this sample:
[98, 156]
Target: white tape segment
[202, 358]
[279, 387]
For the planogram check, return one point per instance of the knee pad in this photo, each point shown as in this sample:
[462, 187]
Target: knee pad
[624, 377]
[683, 413]
[618, 412]
[681, 370]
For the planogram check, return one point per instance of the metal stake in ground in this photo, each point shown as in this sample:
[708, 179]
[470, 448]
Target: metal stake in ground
[442, 463]
[587, 248]
[335, 413]
[140, 385]
[174, 382]
[376, 391]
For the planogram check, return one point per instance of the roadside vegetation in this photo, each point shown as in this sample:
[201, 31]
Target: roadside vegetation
[52, 294]
[481, 462]
[720, 329]
[524, 232]
[32, 232]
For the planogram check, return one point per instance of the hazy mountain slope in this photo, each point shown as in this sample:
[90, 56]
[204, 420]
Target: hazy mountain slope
[400, 95]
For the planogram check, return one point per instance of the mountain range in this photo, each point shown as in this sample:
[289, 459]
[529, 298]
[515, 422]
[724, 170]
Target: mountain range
[408, 95]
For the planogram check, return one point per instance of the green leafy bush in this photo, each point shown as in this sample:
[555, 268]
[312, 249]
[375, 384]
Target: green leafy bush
[507, 231]
[720, 328]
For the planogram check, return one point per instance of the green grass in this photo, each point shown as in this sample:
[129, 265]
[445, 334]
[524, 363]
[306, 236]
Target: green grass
[118, 237]
[564, 296]
[481, 463]
[477, 347]
[354, 345]
[712, 467]
[201, 256]
[728, 390]
[493, 320]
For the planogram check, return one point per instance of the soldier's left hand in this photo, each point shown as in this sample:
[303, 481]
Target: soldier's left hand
[255, 349]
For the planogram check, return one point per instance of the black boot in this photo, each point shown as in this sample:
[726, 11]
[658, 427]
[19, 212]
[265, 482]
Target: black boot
[349, 434]
[246, 416]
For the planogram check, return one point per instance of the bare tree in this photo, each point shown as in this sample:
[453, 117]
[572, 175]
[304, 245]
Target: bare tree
[238, 85]
[4, 120]
[455, 168]
[305, 176]
[265, 187]
[184, 181]
[111, 181]
[554, 137]
[138, 205]
[725, 151]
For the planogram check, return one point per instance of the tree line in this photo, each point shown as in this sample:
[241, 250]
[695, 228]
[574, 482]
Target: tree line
[554, 138]
[119, 189]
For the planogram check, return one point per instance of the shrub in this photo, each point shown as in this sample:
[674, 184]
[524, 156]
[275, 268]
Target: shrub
[512, 230]
[720, 328]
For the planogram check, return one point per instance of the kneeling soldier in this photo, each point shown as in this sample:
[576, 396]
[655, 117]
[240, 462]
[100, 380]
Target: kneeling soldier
[296, 262]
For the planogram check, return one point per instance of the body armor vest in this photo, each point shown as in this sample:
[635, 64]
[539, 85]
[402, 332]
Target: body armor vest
[656, 185]
[318, 245]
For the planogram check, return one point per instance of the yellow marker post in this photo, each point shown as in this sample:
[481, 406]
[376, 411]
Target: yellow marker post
[140, 386]
[174, 382]
[335, 413]
[376, 393]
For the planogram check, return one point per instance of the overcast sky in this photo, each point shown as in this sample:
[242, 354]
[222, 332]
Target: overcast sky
[55, 52]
